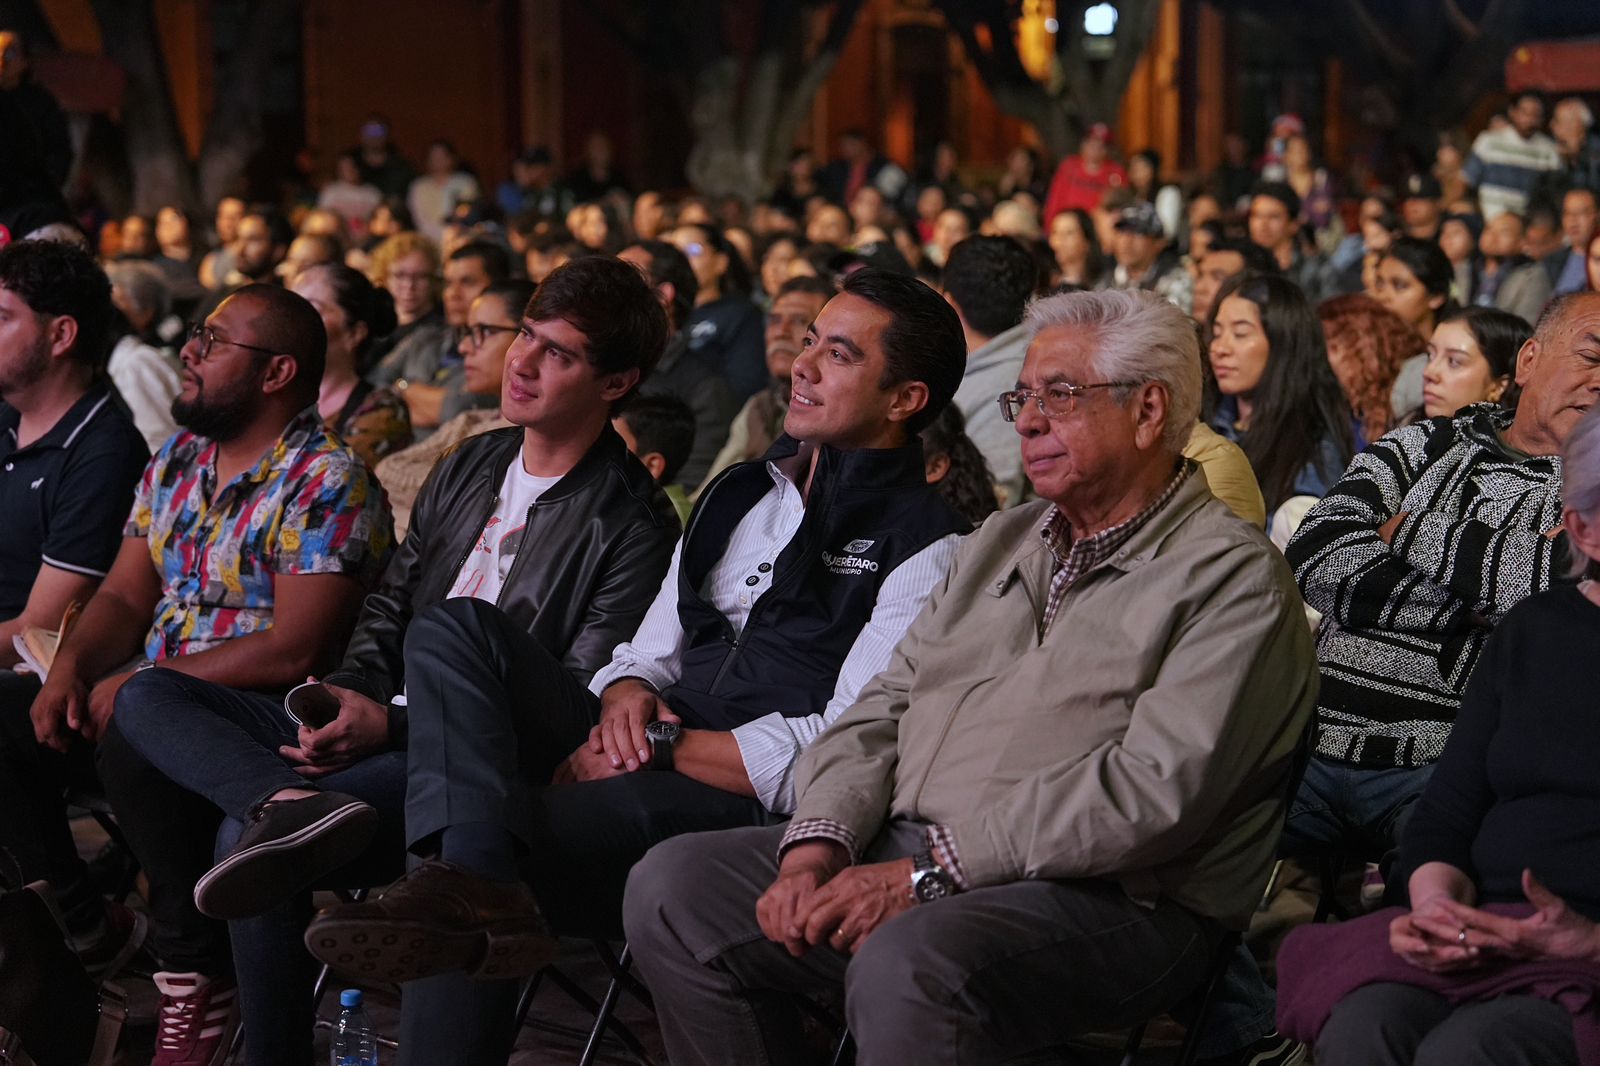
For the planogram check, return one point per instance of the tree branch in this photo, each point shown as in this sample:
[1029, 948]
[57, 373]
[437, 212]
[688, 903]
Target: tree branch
[1395, 56]
[843, 20]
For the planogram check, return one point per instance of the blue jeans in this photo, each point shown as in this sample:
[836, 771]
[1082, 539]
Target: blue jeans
[185, 764]
[1340, 807]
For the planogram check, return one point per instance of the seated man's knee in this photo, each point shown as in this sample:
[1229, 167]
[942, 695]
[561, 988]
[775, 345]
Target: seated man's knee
[669, 873]
[137, 710]
[899, 964]
[448, 622]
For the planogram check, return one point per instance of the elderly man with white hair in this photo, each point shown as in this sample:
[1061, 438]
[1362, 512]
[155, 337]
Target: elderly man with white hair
[1066, 787]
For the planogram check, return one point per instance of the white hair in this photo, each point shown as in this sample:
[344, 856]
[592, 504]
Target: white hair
[144, 284]
[1580, 481]
[1139, 337]
[1577, 104]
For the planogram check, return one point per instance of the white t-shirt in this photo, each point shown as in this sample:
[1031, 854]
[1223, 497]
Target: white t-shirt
[487, 565]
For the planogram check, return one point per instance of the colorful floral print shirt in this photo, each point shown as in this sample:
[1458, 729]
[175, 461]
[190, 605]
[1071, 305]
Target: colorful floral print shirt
[310, 506]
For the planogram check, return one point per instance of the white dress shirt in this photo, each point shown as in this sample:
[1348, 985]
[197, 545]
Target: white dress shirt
[770, 744]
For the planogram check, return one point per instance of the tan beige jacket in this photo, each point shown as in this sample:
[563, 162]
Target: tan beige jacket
[1148, 738]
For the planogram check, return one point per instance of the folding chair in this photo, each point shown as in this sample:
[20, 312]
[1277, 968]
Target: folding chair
[99, 809]
[1189, 1050]
[619, 965]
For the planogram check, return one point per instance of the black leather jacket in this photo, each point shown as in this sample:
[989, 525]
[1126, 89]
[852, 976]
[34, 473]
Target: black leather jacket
[597, 545]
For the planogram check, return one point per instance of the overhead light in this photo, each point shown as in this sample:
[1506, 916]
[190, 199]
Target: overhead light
[1100, 20]
[1051, 25]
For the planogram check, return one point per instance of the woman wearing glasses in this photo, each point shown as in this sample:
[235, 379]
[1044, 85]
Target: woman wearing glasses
[492, 324]
[1272, 390]
[373, 420]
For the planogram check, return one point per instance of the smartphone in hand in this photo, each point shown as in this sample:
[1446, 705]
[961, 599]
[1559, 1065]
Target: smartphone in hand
[311, 705]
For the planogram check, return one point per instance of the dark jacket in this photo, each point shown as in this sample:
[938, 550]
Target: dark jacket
[596, 548]
[868, 510]
[689, 377]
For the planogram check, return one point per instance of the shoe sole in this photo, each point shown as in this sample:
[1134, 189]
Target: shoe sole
[1294, 1056]
[256, 879]
[389, 950]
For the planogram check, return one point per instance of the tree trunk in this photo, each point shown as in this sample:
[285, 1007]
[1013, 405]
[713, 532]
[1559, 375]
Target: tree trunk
[156, 155]
[234, 134]
[745, 114]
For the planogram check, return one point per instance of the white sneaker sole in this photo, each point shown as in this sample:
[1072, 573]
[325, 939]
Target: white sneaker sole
[253, 880]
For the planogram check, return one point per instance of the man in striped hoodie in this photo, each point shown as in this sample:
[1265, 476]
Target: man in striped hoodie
[1430, 537]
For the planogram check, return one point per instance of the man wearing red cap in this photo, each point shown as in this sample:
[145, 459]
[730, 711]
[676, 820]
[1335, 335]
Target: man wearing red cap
[1081, 179]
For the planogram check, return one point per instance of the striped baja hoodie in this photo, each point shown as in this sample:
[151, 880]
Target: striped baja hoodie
[1403, 623]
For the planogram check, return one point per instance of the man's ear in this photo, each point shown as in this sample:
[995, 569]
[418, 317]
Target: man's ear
[654, 462]
[63, 335]
[282, 371]
[614, 387]
[1150, 414]
[1527, 355]
[909, 398]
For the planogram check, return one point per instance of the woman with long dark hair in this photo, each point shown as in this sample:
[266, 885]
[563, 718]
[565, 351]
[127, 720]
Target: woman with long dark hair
[1076, 248]
[1272, 390]
[1472, 358]
[1413, 280]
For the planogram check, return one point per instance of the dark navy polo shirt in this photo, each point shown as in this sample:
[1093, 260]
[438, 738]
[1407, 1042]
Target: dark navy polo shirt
[64, 498]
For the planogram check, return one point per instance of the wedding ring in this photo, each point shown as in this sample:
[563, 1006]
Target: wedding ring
[1461, 937]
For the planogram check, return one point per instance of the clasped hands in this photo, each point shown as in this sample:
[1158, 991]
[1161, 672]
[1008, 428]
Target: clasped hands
[1443, 935]
[818, 896]
[617, 745]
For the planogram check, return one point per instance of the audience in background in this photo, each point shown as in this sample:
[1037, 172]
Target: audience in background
[1316, 343]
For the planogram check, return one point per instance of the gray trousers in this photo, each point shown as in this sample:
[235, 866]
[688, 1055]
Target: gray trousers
[982, 976]
[1398, 1025]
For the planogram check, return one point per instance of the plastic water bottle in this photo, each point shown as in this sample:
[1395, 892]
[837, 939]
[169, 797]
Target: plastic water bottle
[353, 1042]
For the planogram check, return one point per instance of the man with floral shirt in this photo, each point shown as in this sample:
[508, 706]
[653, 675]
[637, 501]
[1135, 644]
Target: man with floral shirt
[255, 534]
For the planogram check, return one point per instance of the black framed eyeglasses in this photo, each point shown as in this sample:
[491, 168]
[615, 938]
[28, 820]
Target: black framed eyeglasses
[207, 338]
[1055, 400]
[480, 333]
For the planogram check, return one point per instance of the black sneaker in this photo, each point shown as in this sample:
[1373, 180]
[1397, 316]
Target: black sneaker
[288, 846]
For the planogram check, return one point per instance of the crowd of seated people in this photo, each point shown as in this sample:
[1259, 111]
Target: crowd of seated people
[720, 575]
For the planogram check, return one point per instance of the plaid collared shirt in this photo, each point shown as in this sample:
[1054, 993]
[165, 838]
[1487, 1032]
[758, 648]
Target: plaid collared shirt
[1074, 558]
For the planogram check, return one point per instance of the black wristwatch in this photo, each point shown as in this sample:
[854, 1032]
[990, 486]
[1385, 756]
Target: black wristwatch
[663, 737]
[929, 880]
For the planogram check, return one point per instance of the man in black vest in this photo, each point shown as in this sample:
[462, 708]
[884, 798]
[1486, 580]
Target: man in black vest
[795, 580]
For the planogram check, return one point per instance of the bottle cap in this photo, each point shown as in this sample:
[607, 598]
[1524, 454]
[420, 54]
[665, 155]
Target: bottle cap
[350, 997]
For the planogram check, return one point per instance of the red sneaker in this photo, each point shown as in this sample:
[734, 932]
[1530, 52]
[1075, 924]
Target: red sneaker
[196, 1021]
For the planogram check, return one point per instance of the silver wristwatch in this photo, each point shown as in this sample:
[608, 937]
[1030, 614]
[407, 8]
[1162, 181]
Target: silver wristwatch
[663, 737]
[929, 880]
